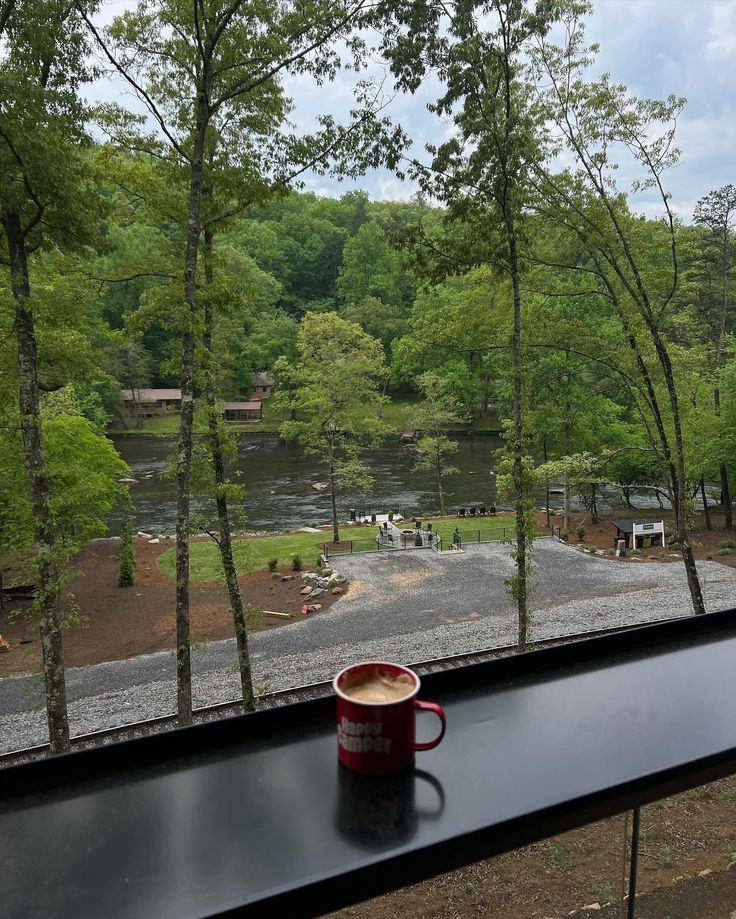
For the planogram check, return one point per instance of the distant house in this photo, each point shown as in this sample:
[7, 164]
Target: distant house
[148, 402]
[262, 384]
[243, 411]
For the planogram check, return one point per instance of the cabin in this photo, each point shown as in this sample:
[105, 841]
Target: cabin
[262, 384]
[243, 411]
[150, 402]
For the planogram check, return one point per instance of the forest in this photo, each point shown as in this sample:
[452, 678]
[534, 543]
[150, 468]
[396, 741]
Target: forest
[180, 249]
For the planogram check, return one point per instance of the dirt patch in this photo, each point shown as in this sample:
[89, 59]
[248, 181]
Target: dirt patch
[406, 580]
[680, 837]
[706, 543]
[125, 622]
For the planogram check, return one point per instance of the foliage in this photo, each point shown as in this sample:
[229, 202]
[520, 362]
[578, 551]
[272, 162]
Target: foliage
[273, 564]
[296, 562]
[334, 383]
[126, 577]
[580, 533]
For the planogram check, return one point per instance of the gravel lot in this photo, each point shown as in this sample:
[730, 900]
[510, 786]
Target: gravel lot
[407, 606]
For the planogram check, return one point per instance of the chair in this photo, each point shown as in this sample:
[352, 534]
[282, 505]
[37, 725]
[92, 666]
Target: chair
[492, 511]
[472, 512]
[461, 512]
[482, 510]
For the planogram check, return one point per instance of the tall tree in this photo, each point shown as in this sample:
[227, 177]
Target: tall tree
[45, 199]
[638, 270]
[334, 383]
[482, 173]
[717, 212]
[210, 74]
[438, 411]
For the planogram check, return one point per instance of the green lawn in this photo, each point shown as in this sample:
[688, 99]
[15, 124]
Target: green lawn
[395, 415]
[251, 554]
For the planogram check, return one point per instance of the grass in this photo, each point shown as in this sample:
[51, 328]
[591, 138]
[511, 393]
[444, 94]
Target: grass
[255, 553]
[250, 554]
[395, 415]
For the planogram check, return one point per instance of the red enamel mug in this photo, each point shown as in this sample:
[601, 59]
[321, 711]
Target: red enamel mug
[380, 738]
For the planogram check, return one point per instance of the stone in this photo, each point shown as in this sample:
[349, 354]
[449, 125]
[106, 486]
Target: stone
[305, 591]
[336, 579]
[704, 873]
[336, 590]
[153, 542]
[287, 577]
[327, 572]
[317, 592]
[592, 906]
[309, 576]
[141, 535]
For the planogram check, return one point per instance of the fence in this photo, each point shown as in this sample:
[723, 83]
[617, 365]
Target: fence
[401, 542]
[469, 535]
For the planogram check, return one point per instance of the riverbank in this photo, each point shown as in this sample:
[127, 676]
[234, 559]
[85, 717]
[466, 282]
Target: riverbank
[395, 415]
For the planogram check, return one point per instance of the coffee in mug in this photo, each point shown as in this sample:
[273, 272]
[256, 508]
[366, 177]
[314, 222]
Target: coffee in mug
[376, 711]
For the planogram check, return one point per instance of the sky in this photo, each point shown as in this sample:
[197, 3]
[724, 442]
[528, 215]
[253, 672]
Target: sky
[655, 47]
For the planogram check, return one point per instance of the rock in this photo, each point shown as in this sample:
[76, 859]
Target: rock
[336, 590]
[127, 481]
[154, 542]
[287, 577]
[310, 576]
[317, 592]
[599, 552]
[141, 535]
[320, 486]
[324, 583]
[592, 906]
[327, 572]
[680, 877]
[314, 607]
[336, 579]
[704, 873]
[305, 591]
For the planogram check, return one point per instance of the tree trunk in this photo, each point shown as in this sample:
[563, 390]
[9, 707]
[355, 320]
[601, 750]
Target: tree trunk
[184, 462]
[593, 503]
[335, 531]
[518, 463]
[439, 479]
[48, 588]
[546, 483]
[726, 497]
[223, 518]
[705, 503]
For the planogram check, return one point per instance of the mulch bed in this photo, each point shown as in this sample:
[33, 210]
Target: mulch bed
[123, 622]
[704, 542]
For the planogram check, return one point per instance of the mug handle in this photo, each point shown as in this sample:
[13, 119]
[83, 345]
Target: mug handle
[431, 707]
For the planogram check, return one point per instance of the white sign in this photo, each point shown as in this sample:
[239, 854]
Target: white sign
[649, 529]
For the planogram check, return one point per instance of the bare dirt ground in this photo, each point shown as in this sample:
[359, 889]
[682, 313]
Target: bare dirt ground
[124, 622]
[680, 838]
[705, 542]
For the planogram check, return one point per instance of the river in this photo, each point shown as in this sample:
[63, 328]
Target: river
[279, 477]
[279, 481]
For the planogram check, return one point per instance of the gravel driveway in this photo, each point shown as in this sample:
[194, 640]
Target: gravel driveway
[405, 606]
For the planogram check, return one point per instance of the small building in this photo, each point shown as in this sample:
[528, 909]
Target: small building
[243, 411]
[634, 532]
[149, 402]
[262, 384]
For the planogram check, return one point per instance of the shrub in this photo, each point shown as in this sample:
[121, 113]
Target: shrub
[126, 578]
[727, 544]
[418, 541]
[296, 562]
[564, 535]
[391, 516]
[373, 518]
[273, 564]
[723, 551]
[580, 533]
[709, 556]
[318, 563]
[636, 552]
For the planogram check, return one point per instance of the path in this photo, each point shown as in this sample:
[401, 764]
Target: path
[406, 606]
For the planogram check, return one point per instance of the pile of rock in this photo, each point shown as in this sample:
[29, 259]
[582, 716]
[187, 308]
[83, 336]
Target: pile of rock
[316, 584]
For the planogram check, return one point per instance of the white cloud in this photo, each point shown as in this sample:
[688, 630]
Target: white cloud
[722, 30]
